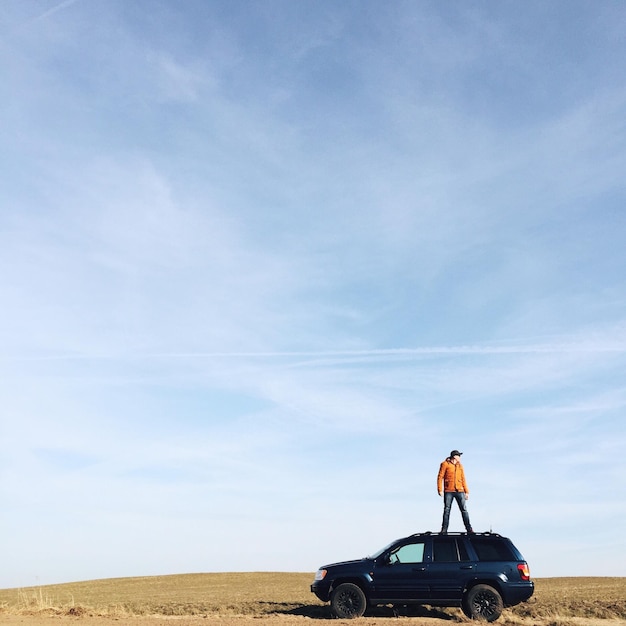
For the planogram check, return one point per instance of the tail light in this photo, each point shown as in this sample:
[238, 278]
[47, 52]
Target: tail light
[524, 571]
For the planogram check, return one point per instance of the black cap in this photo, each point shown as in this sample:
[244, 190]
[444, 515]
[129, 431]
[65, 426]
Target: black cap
[455, 453]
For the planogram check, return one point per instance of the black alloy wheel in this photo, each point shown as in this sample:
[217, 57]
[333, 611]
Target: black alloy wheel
[483, 602]
[348, 601]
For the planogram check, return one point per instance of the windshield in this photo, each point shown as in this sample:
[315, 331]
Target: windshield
[377, 554]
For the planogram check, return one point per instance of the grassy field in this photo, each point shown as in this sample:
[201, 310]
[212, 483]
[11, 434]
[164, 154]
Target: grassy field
[557, 601]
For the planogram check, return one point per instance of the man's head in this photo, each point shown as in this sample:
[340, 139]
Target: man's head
[455, 454]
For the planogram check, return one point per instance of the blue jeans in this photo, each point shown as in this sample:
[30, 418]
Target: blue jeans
[448, 497]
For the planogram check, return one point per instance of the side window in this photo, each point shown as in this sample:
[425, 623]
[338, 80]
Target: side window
[410, 553]
[444, 549]
[463, 554]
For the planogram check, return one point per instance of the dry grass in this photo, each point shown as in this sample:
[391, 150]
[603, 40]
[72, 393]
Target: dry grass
[278, 596]
[189, 594]
[598, 598]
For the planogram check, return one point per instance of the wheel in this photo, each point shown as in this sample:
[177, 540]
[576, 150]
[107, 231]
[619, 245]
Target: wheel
[348, 601]
[483, 602]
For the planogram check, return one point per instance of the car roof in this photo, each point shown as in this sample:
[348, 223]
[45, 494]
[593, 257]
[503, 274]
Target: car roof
[458, 534]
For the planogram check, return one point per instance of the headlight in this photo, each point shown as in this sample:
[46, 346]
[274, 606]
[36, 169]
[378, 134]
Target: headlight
[320, 574]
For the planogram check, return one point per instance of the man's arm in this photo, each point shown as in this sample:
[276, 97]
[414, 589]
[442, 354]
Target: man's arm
[465, 487]
[442, 471]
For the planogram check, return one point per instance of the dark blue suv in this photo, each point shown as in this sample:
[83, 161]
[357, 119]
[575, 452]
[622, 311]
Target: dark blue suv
[480, 572]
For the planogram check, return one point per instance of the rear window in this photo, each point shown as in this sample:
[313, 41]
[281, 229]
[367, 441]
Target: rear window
[491, 549]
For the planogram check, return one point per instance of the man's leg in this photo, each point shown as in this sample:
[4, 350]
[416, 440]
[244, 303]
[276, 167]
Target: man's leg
[447, 505]
[462, 502]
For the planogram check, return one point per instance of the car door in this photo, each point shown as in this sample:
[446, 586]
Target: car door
[450, 568]
[400, 574]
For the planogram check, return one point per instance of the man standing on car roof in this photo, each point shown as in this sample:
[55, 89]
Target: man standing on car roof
[451, 483]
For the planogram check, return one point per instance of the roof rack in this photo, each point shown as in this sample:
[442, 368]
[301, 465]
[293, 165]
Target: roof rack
[488, 533]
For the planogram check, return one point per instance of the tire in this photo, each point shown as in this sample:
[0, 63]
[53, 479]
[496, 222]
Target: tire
[348, 601]
[483, 602]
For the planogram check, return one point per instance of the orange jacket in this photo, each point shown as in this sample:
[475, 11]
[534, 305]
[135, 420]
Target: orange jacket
[451, 477]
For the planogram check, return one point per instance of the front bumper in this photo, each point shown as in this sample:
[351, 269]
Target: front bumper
[321, 591]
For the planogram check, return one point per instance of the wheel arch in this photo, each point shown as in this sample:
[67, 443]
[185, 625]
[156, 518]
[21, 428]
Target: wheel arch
[496, 584]
[484, 581]
[355, 580]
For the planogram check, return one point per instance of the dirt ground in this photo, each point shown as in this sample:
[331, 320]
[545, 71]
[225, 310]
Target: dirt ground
[274, 620]
[282, 620]
[278, 620]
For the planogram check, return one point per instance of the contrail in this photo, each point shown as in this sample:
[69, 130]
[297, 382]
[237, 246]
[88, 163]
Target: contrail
[54, 9]
[408, 352]
[555, 348]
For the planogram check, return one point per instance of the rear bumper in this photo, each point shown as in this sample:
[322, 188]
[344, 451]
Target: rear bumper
[518, 592]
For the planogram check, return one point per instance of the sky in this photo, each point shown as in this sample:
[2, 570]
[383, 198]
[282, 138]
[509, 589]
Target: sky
[263, 265]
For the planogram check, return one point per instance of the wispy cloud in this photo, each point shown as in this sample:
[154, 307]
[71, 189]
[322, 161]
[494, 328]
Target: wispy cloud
[54, 8]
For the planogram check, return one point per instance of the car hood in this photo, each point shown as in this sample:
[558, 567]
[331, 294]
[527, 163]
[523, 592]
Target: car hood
[347, 564]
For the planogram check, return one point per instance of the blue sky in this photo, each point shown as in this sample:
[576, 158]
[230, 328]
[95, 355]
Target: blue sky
[264, 264]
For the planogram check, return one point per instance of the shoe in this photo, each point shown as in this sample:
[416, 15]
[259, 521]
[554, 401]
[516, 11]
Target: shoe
[443, 532]
[470, 531]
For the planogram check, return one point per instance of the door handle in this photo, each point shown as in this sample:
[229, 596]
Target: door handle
[419, 569]
[467, 567]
